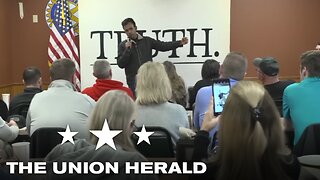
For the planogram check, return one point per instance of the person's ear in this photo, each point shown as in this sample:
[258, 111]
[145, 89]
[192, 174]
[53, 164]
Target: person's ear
[304, 73]
[110, 73]
[23, 82]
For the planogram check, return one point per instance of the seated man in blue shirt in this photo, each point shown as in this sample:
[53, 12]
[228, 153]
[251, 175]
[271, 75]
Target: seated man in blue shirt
[234, 67]
[301, 100]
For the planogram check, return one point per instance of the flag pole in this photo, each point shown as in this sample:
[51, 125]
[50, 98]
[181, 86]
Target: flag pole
[62, 13]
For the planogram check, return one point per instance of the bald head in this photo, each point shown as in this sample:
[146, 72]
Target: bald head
[102, 69]
[234, 66]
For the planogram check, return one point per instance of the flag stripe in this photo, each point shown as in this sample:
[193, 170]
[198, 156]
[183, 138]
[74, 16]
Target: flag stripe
[53, 54]
[62, 40]
[59, 41]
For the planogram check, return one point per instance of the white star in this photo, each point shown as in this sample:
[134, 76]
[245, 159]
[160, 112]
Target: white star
[67, 135]
[105, 136]
[143, 135]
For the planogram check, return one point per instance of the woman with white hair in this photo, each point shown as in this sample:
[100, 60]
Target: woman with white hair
[153, 93]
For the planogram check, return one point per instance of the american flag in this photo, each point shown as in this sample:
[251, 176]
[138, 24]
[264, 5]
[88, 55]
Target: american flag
[62, 38]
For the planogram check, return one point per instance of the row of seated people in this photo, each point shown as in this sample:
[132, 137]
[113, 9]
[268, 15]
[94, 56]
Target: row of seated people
[145, 97]
[267, 69]
[233, 67]
[296, 102]
[251, 134]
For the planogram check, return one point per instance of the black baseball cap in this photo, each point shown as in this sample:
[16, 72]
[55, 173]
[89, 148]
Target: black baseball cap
[267, 65]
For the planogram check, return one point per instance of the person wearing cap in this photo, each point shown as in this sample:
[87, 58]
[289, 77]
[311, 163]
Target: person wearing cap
[301, 100]
[267, 70]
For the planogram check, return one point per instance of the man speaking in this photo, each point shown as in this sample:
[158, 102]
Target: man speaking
[137, 50]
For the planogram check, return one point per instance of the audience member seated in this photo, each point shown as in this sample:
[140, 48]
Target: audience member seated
[234, 67]
[153, 93]
[3, 110]
[118, 109]
[104, 83]
[268, 70]
[251, 138]
[21, 102]
[8, 131]
[209, 72]
[179, 92]
[60, 105]
[301, 100]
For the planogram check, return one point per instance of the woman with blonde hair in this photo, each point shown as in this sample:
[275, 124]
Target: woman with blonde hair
[179, 92]
[251, 138]
[118, 109]
[153, 93]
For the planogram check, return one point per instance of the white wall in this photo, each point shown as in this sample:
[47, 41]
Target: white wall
[107, 15]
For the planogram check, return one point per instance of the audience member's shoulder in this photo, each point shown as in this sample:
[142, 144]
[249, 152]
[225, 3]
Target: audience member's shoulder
[288, 82]
[292, 87]
[205, 90]
[40, 94]
[2, 102]
[176, 107]
[85, 97]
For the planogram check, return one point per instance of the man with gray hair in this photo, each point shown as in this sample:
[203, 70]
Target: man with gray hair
[234, 68]
[104, 83]
[61, 104]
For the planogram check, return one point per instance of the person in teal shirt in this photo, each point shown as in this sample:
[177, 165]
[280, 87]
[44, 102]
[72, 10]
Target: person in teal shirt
[301, 100]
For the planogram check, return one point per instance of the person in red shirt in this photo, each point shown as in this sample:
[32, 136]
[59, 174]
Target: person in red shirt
[104, 83]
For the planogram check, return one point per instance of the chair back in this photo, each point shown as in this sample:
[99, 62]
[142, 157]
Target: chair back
[278, 103]
[184, 150]
[160, 143]
[189, 106]
[309, 142]
[43, 140]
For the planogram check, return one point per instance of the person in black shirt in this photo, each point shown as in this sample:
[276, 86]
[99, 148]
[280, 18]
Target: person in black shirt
[19, 104]
[268, 70]
[251, 139]
[3, 110]
[209, 72]
[137, 50]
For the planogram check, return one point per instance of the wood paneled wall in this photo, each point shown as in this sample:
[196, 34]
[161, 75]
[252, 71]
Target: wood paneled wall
[14, 89]
[282, 29]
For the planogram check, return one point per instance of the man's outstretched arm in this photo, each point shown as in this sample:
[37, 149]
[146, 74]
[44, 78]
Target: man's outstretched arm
[167, 46]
